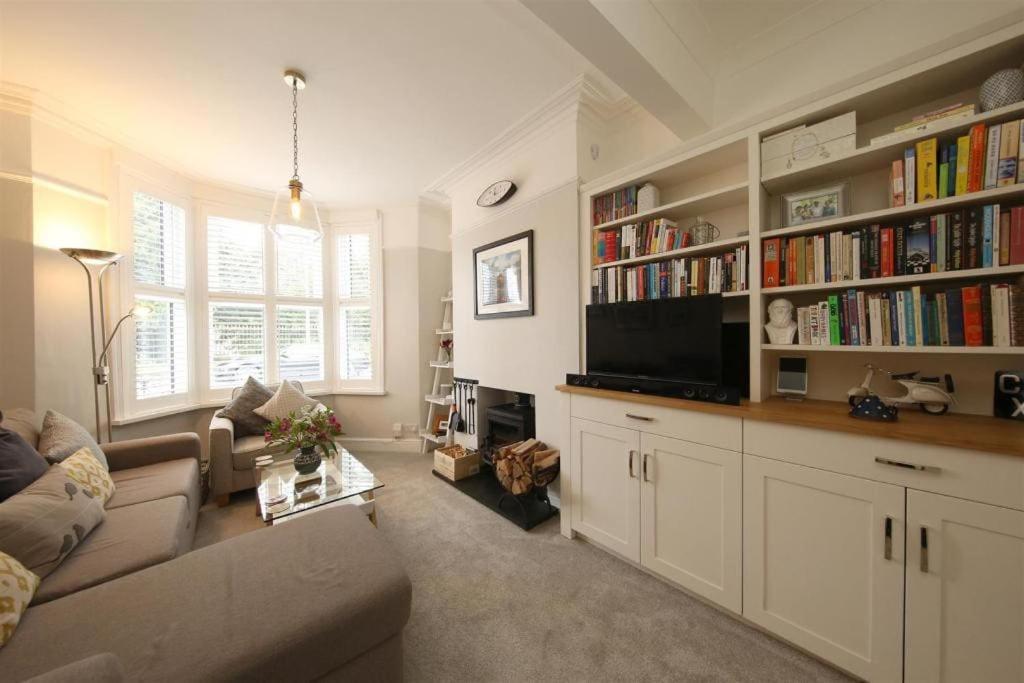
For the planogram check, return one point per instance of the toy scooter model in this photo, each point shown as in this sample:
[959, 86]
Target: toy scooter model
[927, 392]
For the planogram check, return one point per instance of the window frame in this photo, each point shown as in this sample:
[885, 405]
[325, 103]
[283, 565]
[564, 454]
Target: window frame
[127, 406]
[372, 227]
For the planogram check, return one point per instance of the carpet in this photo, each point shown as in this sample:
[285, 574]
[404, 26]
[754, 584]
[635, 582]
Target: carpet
[492, 602]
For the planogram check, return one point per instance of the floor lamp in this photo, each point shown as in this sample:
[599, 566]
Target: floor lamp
[103, 260]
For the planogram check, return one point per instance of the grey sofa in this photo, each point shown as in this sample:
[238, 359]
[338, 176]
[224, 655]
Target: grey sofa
[322, 597]
[232, 460]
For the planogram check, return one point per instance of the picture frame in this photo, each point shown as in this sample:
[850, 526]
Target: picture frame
[830, 201]
[503, 277]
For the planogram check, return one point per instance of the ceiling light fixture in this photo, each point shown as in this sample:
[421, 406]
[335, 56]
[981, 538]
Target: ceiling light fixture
[302, 211]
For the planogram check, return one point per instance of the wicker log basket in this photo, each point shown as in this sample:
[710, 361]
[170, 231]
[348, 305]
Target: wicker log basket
[522, 466]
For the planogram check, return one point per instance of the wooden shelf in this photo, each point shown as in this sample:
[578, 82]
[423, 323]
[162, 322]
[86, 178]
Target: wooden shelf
[711, 247]
[993, 196]
[878, 157]
[969, 274]
[970, 432]
[690, 206]
[937, 350]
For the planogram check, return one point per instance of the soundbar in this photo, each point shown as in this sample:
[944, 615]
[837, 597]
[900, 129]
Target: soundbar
[693, 391]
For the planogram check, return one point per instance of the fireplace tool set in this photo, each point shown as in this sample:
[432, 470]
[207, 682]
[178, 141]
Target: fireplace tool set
[465, 404]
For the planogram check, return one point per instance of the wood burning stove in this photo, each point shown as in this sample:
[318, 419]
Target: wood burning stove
[508, 423]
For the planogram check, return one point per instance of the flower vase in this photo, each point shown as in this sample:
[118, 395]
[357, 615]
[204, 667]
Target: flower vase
[307, 461]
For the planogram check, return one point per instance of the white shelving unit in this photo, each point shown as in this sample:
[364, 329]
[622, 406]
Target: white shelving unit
[440, 398]
[721, 181]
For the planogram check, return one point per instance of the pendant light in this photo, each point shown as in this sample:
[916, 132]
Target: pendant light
[294, 206]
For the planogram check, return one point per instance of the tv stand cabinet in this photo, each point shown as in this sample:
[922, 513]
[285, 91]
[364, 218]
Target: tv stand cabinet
[811, 524]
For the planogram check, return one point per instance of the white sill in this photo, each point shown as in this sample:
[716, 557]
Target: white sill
[207, 405]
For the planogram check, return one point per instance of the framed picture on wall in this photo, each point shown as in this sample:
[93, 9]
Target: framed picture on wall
[503, 277]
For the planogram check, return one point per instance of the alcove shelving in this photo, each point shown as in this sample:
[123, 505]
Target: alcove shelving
[722, 181]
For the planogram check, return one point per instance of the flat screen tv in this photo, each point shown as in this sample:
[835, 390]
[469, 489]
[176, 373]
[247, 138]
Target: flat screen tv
[677, 339]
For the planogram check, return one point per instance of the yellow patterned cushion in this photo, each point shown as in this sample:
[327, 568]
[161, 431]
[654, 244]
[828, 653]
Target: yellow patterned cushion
[17, 586]
[84, 468]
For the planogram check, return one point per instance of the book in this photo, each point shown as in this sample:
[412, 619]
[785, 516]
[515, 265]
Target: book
[918, 311]
[899, 248]
[972, 237]
[976, 160]
[941, 253]
[955, 316]
[992, 157]
[973, 333]
[943, 315]
[1016, 308]
[943, 171]
[910, 175]
[903, 320]
[927, 170]
[834, 334]
[770, 261]
[986, 315]
[1009, 149]
[1017, 235]
[956, 237]
[951, 189]
[963, 154]
[1000, 294]
[986, 235]
[1020, 154]
[886, 252]
[896, 184]
[918, 257]
[1004, 238]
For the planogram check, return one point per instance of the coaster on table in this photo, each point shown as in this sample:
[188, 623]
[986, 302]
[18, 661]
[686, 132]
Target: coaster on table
[276, 500]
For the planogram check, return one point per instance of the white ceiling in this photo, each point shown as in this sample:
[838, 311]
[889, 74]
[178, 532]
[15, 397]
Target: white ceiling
[398, 92]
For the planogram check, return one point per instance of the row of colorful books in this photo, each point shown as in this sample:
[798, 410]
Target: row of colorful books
[642, 239]
[614, 205]
[671, 278]
[986, 158]
[923, 122]
[977, 315]
[977, 237]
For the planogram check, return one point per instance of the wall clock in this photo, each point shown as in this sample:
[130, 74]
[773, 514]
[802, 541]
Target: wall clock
[496, 193]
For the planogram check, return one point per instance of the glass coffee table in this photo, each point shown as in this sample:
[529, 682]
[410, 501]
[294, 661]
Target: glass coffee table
[341, 479]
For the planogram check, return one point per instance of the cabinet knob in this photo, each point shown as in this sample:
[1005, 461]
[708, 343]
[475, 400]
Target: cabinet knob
[631, 475]
[887, 550]
[924, 550]
[908, 465]
[646, 457]
[644, 418]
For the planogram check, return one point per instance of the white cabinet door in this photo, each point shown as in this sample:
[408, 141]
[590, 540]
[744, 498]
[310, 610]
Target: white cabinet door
[606, 485]
[691, 516]
[823, 563]
[965, 595]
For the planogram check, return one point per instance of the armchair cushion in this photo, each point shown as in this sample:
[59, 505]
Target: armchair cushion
[123, 455]
[240, 410]
[288, 399]
[156, 481]
[61, 437]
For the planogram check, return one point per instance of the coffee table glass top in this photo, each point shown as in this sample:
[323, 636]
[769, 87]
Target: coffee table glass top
[340, 476]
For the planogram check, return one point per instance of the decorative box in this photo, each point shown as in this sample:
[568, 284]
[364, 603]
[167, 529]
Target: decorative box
[455, 462]
[647, 198]
[807, 146]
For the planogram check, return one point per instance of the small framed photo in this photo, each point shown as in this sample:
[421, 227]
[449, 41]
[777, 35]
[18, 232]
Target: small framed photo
[503, 277]
[815, 205]
[442, 427]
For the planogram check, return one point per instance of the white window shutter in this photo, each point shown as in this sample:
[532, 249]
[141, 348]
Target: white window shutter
[234, 256]
[236, 343]
[300, 343]
[161, 347]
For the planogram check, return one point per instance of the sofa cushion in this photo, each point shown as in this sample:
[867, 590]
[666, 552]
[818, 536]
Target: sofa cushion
[17, 586]
[291, 602]
[20, 465]
[156, 481]
[23, 422]
[89, 473]
[288, 399]
[240, 411]
[133, 537]
[41, 525]
[61, 436]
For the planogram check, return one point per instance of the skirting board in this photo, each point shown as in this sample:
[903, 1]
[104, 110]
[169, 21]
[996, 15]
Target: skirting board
[380, 444]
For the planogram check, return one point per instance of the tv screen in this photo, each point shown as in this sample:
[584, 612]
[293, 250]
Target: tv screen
[674, 339]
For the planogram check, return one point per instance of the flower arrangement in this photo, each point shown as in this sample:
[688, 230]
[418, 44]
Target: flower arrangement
[305, 430]
[447, 345]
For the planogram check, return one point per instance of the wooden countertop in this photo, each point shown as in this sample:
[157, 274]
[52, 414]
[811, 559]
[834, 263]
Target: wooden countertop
[971, 432]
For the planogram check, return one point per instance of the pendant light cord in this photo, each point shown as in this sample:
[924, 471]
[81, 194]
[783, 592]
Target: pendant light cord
[295, 130]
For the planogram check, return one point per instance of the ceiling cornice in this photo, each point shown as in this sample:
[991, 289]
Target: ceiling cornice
[580, 99]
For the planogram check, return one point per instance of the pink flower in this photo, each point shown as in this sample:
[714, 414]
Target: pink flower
[267, 437]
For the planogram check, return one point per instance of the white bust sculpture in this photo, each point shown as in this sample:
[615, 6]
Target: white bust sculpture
[780, 328]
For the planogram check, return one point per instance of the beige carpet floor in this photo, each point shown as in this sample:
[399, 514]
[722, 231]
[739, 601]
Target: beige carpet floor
[494, 603]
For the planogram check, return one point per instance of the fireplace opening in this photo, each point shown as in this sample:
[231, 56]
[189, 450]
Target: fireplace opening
[508, 423]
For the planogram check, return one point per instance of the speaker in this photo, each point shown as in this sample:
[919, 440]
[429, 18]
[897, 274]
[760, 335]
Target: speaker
[1008, 396]
[693, 391]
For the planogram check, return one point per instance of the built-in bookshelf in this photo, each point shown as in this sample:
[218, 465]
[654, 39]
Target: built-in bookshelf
[721, 180]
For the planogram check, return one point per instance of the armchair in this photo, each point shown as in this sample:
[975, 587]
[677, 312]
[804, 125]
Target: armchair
[232, 459]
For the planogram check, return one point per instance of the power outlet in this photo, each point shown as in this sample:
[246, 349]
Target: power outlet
[396, 430]
[412, 428]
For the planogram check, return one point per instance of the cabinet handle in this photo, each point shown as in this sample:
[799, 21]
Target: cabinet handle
[908, 465]
[631, 475]
[640, 417]
[924, 550]
[887, 552]
[646, 456]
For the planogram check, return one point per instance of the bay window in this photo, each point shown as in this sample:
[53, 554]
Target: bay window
[359, 307]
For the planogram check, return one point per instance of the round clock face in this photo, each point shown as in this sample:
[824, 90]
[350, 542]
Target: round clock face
[496, 193]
